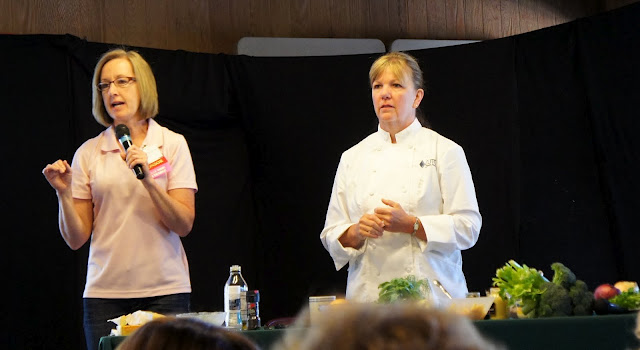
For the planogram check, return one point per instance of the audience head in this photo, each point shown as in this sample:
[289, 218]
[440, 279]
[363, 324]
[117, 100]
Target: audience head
[637, 330]
[387, 327]
[171, 333]
[145, 83]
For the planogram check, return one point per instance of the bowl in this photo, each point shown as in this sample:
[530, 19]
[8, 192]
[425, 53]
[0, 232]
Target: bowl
[215, 318]
[474, 308]
[128, 329]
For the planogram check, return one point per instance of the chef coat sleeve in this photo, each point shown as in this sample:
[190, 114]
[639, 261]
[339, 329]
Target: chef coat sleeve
[458, 227]
[338, 221]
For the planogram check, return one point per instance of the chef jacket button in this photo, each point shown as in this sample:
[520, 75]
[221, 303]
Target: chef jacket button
[371, 194]
[378, 273]
[408, 269]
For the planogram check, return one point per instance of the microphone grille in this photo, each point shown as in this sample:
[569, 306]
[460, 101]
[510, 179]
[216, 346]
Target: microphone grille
[122, 130]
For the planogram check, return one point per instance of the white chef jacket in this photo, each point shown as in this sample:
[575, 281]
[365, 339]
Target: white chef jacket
[428, 175]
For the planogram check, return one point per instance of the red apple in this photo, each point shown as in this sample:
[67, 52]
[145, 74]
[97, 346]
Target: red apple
[605, 291]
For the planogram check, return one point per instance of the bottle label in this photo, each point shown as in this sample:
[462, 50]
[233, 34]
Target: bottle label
[252, 310]
[233, 298]
[243, 304]
[233, 306]
[235, 302]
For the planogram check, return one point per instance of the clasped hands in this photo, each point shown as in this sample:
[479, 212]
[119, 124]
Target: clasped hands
[391, 217]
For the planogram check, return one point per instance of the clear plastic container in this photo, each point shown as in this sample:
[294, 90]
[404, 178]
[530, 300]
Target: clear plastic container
[317, 305]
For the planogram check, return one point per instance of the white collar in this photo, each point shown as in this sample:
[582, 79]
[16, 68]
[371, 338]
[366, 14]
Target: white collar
[403, 136]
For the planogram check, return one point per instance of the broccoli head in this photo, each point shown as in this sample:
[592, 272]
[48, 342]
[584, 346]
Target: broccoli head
[554, 301]
[562, 276]
[530, 306]
[581, 299]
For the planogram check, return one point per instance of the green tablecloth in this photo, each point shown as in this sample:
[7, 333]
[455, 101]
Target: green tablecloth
[611, 332]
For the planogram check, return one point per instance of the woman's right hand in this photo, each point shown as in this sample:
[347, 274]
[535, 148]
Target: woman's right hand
[59, 175]
[369, 226]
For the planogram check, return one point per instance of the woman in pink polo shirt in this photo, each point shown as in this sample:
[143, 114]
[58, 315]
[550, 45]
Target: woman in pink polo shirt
[136, 258]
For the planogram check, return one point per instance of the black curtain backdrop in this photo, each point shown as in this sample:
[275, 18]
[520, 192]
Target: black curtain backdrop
[547, 119]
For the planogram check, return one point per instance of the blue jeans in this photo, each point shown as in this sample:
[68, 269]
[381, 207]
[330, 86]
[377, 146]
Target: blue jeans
[98, 311]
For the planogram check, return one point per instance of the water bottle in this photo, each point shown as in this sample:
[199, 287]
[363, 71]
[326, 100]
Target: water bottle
[235, 298]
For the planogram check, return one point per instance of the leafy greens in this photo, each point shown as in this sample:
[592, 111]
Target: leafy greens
[403, 289]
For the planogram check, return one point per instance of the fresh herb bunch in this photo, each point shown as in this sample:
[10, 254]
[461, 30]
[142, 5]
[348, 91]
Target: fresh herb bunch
[565, 295]
[403, 289]
[629, 300]
[520, 282]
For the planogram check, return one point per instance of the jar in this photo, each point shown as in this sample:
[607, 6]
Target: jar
[317, 305]
[499, 307]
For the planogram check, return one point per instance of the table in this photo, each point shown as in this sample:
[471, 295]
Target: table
[611, 332]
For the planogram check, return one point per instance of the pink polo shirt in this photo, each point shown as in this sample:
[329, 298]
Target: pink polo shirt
[132, 254]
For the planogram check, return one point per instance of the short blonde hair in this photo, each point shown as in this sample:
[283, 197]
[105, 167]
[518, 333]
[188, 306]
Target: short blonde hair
[401, 65]
[385, 327]
[144, 78]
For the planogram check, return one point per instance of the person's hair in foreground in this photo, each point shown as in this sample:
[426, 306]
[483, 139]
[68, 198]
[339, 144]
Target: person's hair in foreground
[386, 327]
[637, 330]
[175, 333]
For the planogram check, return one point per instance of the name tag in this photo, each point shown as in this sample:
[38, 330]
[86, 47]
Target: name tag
[158, 164]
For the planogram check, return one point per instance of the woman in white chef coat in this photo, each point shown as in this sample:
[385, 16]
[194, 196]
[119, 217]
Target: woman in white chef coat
[403, 200]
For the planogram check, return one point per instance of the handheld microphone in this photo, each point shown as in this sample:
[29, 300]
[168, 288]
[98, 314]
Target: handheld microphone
[124, 136]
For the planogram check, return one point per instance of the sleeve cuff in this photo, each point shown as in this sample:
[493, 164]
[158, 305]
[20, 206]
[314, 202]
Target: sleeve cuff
[439, 231]
[341, 255]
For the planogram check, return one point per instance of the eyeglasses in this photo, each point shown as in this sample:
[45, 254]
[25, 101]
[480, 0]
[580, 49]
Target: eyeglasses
[120, 82]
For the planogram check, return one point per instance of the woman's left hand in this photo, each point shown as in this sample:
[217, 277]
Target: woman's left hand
[135, 155]
[394, 217]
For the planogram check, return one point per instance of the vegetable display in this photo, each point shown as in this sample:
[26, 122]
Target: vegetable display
[629, 299]
[564, 295]
[621, 297]
[520, 283]
[578, 291]
[403, 289]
